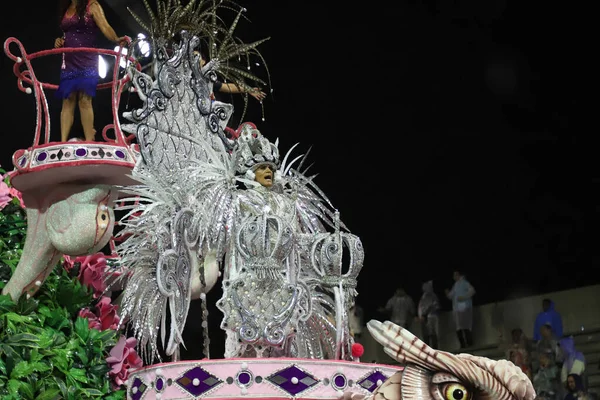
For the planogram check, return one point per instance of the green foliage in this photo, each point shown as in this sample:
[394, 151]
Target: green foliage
[47, 352]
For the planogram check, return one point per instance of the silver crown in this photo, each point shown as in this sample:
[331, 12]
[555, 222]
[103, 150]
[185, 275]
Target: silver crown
[326, 258]
[253, 149]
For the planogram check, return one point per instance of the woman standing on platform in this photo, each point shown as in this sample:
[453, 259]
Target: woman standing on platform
[80, 22]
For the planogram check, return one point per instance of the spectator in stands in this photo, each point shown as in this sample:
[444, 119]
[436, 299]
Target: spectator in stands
[548, 344]
[550, 316]
[575, 387]
[574, 361]
[545, 381]
[401, 308]
[428, 309]
[356, 321]
[519, 351]
[462, 307]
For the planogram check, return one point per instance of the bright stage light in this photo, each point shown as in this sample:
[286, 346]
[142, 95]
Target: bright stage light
[143, 45]
[102, 67]
[123, 62]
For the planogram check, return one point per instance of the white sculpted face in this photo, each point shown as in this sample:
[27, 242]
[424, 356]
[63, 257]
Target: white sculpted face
[264, 175]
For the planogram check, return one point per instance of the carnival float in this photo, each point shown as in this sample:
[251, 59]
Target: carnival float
[201, 204]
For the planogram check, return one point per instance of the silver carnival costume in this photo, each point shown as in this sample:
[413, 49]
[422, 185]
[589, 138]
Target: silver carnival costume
[198, 211]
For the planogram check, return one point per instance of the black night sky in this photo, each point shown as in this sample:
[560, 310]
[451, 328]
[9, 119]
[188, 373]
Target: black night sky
[447, 133]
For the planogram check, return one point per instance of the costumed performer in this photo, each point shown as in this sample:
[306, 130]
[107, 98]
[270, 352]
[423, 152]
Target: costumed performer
[80, 21]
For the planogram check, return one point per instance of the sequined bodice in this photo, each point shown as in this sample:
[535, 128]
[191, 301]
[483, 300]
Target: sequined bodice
[79, 32]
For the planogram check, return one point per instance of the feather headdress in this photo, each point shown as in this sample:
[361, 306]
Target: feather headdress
[200, 19]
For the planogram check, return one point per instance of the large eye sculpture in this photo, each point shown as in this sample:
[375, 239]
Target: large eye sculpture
[445, 386]
[104, 220]
[455, 391]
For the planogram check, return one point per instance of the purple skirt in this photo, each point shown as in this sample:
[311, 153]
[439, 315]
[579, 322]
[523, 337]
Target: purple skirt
[82, 80]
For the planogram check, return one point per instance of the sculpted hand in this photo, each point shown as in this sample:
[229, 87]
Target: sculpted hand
[59, 42]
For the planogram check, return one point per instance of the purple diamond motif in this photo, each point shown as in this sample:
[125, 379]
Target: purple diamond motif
[197, 381]
[80, 152]
[42, 156]
[160, 384]
[119, 154]
[370, 381]
[293, 380]
[137, 389]
[22, 161]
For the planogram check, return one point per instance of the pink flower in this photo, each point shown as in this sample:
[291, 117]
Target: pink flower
[107, 314]
[15, 193]
[91, 271]
[122, 358]
[93, 320]
[104, 317]
[5, 196]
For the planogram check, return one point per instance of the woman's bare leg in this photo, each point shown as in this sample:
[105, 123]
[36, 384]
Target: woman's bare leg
[66, 116]
[86, 111]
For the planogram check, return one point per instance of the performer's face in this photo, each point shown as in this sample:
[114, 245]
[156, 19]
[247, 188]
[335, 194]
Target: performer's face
[264, 175]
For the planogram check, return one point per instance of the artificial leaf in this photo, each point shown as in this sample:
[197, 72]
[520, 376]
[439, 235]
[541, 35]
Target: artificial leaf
[92, 392]
[78, 374]
[26, 306]
[61, 360]
[45, 311]
[6, 304]
[117, 395]
[99, 369]
[61, 386]
[59, 319]
[83, 357]
[25, 368]
[49, 394]
[82, 329]
[35, 356]
[23, 340]
[47, 338]
[10, 352]
[105, 335]
[14, 318]
[73, 297]
[26, 391]
[14, 385]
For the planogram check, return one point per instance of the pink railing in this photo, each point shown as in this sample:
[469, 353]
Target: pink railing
[25, 74]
